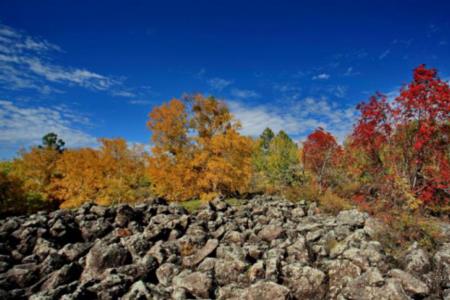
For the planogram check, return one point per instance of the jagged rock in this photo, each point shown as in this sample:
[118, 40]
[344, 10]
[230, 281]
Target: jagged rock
[273, 263]
[137, 244]
[52, 262]
[196, 258]
[417, 260]
[232, 291]
[410, 284]
[352, 217]
[265, 248]
[270, 232]
[99, 210]
[138, 291]
[303, 281]
[65, 275]
[23, 275]
[166, 272]
[112, 286]
[43, 247]
[74, 251]
[372, 227]
[228, 271]
[340, 273]
[102, 256]
[124, 215]
[442, 263]
[198, 284]
[265, 291]
[93, 229]
[256, 271]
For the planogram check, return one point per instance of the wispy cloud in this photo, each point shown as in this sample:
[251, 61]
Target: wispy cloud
[351, 72]
[297, 119]
[25, 126]
[26, 63]
[339, 91]
[384, 54]
[240, 93]
[219, 84]
[321, 76]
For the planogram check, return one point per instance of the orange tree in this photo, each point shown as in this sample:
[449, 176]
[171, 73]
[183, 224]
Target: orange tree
[197, 150]
[112, 174]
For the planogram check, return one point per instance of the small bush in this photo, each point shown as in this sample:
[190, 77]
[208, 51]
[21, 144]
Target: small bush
[332, 203]
[406, 228]
[307, 192]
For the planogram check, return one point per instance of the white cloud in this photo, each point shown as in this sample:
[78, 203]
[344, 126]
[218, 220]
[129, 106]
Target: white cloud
[351, 72]
[239, 93]
[21, 126]
[339, 91]
[297, 119]
[219, 83]
[384, 54]
[139, 102]
[321, 76]
[25, 64]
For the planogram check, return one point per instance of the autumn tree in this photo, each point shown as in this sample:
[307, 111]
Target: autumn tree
[12, 195]
[406, 142]
[112, 174]
[198, 151]
[321, 154]
[282, 159]
[36, 167]
[423, 117]
[275, 160]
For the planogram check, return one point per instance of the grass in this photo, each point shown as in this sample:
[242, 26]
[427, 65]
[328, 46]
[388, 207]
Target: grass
[192, 205]
[233, 202]
[196, 204]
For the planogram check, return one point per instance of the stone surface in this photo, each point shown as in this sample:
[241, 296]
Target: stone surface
[264, 248]
[410, 284]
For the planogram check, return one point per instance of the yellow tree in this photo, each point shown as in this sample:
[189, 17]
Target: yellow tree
[35, 169]
[80, 177]
[170, 165]
[200, 153]
[108, 175]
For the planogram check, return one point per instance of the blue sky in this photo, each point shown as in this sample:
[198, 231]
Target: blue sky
[89, 69]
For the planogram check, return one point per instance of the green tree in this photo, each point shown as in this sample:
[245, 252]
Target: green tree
[282, 160]
[266, 137]
[51, 141]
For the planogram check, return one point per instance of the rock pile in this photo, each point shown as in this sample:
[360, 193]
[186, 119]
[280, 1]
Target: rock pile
[265, 248]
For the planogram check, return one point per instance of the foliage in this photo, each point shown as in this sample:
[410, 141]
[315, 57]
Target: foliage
[321, 154]
[406, 228]
[275, 160]
[198, 152]
[404, 147]
[14, 199]
[51, 141]
[36, 169]
[396, 160]
[112, 174]
[332, 203]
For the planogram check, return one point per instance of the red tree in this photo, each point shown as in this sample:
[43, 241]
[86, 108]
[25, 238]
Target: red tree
[320, 153]
[373, 129]
[424, 113]
[410, 138]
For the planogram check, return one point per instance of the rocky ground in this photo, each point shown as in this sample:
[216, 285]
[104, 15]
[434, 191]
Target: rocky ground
[265, 248]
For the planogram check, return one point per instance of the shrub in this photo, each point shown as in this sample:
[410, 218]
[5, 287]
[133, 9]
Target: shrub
[332, 203]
